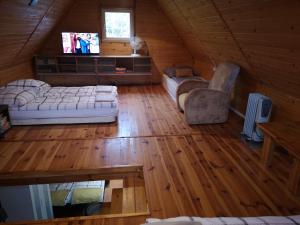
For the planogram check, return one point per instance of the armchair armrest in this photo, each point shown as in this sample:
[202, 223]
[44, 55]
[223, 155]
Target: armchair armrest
[188, 85]
[204, 106]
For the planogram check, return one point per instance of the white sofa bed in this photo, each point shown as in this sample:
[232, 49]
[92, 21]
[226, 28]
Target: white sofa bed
[34, 102]
[170, 81]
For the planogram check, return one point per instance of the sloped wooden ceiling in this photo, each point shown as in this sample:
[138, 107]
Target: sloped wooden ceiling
[23, 29]
[260, 35]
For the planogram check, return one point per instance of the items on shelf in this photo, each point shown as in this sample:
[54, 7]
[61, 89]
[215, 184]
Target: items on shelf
[120, 70]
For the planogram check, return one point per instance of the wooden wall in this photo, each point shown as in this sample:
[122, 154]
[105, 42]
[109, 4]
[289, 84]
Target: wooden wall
[261, 36]
[164, 44]
[23, 29]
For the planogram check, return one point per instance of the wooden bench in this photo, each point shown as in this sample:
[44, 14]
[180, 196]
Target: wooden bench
[287, 135]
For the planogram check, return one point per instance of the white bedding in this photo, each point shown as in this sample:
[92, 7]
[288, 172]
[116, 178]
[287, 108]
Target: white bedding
[262, 220]
[55, 105]
[78, 91]
[170, 86]
[67, 103]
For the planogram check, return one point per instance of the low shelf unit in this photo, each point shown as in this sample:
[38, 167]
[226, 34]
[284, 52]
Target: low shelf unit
[93, 70]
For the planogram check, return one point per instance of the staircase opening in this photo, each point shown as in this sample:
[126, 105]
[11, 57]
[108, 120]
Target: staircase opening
[115, 192]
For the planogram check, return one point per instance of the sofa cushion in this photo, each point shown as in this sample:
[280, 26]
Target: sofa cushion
[178, 80]
[181, 100]
[171, 71]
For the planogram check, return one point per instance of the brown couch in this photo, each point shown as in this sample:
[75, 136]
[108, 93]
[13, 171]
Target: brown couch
[208, 102]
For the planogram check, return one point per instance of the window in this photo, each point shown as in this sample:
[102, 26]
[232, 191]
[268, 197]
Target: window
[117, 24]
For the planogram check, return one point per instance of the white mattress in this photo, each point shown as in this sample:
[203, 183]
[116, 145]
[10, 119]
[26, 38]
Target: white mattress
[47, 114]
[262, 220]
[170, 85]
[66, 103]
[60, 105]
[78, 91]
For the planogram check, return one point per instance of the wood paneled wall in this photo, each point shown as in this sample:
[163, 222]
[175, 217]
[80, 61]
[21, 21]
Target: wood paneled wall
[261, 36]
[23, 29]
[164, 44]
[15, 72]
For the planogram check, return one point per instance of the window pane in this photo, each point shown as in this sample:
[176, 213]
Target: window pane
[117, 24]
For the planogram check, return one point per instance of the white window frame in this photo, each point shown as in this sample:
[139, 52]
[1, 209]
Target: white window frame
[125, 10]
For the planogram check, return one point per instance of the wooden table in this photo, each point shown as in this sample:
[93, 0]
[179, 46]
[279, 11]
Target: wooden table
[287, 135]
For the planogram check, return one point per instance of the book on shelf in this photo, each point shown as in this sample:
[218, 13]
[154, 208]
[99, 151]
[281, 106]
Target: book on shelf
[120, 70]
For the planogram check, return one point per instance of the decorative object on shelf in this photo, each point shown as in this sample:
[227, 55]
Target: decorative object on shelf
[120, 70]
[136, 43]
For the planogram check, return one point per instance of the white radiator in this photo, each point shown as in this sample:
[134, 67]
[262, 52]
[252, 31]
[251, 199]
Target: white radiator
[258, 111]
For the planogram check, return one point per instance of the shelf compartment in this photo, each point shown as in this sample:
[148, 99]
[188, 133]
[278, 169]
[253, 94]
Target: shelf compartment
[66, 60]
[67, 68]
[86, 60]
[142, 69]
[86, 69]
[106, 69]
[46, 68]
[106, 61]
[125, 63]
[142, 61]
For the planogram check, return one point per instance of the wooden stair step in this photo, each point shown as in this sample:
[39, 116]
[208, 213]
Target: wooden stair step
[128, 200]
[105, 209]
[117, 200]
[140, 199]
[108, 190]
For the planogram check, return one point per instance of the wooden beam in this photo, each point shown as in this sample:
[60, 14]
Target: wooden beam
[42, 177]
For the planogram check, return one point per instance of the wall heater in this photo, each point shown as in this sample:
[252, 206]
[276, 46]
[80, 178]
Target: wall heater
[258, 111]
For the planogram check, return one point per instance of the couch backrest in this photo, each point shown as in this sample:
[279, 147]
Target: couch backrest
[224, 77]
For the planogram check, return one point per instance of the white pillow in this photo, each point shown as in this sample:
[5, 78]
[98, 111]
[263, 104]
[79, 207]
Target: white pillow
[30, 83]
[27, 83]
[16, 96]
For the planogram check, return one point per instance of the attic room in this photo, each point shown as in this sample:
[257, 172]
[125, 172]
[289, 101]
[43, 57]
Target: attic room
[163, 112]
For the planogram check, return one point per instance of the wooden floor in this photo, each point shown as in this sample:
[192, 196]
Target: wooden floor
[189, 170]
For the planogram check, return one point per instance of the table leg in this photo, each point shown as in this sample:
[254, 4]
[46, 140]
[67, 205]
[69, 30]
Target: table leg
[267, 151]
[294, 176]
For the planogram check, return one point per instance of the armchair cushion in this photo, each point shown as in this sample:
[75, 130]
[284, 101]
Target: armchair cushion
[205, 106]
[181, 100]
[188, 85]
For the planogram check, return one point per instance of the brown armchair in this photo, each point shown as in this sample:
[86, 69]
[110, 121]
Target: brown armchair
[208, 102]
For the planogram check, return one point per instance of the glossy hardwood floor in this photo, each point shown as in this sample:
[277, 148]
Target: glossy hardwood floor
[189, 170]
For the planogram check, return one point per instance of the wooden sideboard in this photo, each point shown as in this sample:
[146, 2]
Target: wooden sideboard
[92, 70]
